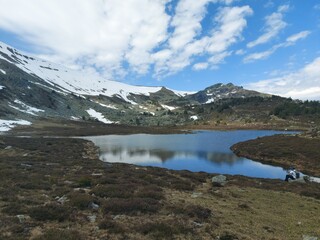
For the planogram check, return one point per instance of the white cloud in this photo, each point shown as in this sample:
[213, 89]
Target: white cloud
[291, 40]
[240, 52]
[186, 43]
[298, 36]
[273, 25]
[100, 33]
[219, 58]
[200, 66]
[259, 55]
[115, 37]
[302, 84]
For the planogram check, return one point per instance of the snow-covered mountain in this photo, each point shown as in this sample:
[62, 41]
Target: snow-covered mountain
[72, 81]
[31, 88]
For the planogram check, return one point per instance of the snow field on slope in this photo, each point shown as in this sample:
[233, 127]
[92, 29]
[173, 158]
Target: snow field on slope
[76, 81]
[93, 113]
[6, 125]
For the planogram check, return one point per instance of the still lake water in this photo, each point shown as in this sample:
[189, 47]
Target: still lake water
[207, 151]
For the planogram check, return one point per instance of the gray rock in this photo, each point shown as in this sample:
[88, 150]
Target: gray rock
[92, 218]
[94, 206]
[306, 237]
[219, 181]
[22, 218]
[196, 194]
[62, 200]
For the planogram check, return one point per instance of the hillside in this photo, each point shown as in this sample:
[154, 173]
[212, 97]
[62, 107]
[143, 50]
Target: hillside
[32, 89]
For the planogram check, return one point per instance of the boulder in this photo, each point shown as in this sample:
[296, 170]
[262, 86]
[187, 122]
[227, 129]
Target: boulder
[219, 181]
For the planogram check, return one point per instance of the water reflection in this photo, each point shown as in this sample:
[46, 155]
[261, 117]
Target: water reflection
[137, 155]
[203, 151]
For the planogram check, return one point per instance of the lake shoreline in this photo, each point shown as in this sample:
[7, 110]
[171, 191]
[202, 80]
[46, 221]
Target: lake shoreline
[66, 128]
[283, 150]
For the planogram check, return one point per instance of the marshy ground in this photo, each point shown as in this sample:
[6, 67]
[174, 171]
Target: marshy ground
[56, 188]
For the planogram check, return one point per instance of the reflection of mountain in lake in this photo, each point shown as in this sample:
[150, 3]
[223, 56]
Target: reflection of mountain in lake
[138, 155]
[222, 158]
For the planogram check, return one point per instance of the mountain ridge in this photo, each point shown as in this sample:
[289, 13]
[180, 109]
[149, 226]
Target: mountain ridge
[32, 88]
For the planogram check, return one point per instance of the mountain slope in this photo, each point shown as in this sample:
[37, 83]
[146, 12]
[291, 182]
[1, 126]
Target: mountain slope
[33, 89]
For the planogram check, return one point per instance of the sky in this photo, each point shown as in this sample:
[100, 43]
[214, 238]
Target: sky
[272, 46]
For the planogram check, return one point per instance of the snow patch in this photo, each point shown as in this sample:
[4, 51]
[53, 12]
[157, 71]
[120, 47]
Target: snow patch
[3, 71]
[168, 107]
[93, 113]
[6, 125]
[194, 117]
[74, 118]
[1, 87]
[26, 108]
[75, 81]
[211, 100]
[107, 106]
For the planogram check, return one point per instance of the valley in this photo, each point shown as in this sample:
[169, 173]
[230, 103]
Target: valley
[55, 187]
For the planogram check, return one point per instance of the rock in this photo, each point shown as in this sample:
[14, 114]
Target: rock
[26, 165]
[22, 218]
[219, 181]
[306, 237]
[92, 218]
[62, 200]
[93, 206]
[196, 194]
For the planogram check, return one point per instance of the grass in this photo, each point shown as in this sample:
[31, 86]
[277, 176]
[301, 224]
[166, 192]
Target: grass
[51, 212]
[139, 202]
[284, 150]
[58, 234]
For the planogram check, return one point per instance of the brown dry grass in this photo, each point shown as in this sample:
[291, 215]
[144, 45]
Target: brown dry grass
[139, 202]
[284, 150]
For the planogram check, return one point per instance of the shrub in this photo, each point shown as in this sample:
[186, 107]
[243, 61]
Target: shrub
[114, 191]
[163, 230]
[110, 225]
[152, 191]
[198, 212]
[84, 182]
[50, 212]
[131, 206]
[80, 200]
[58, 234]
[14, 208]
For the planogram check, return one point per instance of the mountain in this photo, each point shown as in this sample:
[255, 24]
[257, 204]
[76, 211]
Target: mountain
[31, 88]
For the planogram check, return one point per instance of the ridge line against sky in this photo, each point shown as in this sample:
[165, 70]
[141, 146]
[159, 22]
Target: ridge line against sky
[188, 45]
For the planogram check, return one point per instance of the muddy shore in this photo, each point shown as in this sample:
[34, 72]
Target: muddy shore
[57, 188]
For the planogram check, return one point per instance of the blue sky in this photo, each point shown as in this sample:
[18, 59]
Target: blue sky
[270, 46]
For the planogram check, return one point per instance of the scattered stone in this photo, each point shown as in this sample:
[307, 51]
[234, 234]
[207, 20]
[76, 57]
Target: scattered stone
[306, 237]
[92, 218]
[117, 217]
[196, 194]
[93, 206]
[22, 218]
[219, 181]
[25, 165]
[62, 199]
[197, 224]
[96, 174]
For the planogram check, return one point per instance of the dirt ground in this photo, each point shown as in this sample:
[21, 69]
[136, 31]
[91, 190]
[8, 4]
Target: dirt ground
[57, 188]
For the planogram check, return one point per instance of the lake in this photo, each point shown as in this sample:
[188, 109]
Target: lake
[207, 151]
